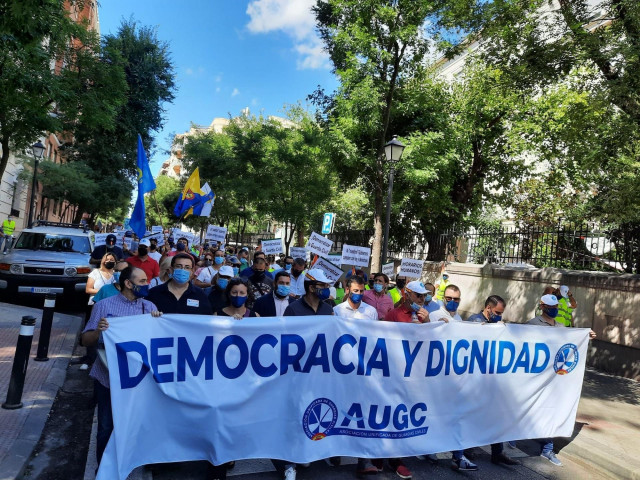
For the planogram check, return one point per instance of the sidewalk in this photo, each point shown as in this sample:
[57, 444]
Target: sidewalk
[21, 428]
[607, 432]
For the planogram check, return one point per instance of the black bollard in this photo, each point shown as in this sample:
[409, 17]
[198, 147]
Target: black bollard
[20, 361]
[45, 327]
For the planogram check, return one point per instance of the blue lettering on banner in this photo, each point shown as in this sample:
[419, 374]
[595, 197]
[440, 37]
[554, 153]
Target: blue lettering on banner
[382, 421]
[176, 359]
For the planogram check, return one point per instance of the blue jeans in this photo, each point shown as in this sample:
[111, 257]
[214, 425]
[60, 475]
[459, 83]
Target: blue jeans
[105, 419]
[7, 241]
[546, 444]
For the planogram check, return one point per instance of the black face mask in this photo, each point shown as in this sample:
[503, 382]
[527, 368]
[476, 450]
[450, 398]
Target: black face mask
[142, 251]
[400, 283]
[109, 265]
[295, 272]
[153, 247]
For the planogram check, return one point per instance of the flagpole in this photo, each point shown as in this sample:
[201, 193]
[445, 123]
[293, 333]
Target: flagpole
[153, 193]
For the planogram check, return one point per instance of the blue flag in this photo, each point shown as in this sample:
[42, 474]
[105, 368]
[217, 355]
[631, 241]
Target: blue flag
[138, 222]
[145, 180]
[191, 195]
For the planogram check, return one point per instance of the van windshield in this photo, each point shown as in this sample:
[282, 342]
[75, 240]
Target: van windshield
[53, 242]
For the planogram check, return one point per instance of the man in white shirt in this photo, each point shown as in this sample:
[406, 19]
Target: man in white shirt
[353, 306]
[153, 250]
[449, 308]
[297, 278]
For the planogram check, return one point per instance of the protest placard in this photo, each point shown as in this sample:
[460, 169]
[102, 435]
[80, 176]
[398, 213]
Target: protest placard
[215, 233]
[156, 229]
[318, 244]
[177, 233]
[411, 268]
[335, 259]
[356, 256]
[272, 247]
[333, 272]
[100, 239]
[159, 237]
[388, 270]
[299, 252]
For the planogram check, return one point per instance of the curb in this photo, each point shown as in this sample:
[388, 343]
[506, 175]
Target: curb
[16, 459]
[590, 453]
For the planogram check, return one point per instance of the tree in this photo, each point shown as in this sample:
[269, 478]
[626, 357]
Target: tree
[33, 35]
[167, 192]
[375, 46]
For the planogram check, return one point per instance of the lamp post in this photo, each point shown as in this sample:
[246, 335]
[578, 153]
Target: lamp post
[240, 210]
[393, 152]
[38, 150]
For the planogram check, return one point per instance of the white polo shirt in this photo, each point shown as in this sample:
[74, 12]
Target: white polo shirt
[297, 284]
[364, 311]
[444, 313]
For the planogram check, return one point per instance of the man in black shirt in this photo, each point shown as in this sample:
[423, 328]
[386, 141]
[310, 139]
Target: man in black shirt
[316, 291]
[219, 282]
[259, 283]
[108, 247]
[178, 295]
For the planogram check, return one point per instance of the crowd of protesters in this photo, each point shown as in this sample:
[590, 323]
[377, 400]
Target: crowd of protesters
[208, 280]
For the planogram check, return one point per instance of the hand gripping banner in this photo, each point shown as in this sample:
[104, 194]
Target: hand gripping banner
[306, 388]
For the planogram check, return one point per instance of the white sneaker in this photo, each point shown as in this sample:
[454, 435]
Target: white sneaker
[290, 473]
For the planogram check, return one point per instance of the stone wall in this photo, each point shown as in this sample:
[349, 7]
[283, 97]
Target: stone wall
[607, 303]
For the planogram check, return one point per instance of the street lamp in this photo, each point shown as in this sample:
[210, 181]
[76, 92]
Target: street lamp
[38, 150]
[393, 152]
[240, 210]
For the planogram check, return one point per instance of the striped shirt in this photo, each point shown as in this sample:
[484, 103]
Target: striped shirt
[116, 306]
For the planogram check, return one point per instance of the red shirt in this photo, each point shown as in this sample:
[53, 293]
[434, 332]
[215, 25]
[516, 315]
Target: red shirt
[401, 314]
[149, 265]
[381, 302]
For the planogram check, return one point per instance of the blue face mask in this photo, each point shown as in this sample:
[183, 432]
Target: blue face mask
[181, 276]
[222, 283]
[283, 290]
[236, 270]
[452, 306]
[415, 307]
[378, 287]
[428, 298]
[116, 277]
[287, 267]
[219, 260]
[238, 301]
[140, 291]
[180, 247]
[552, 312]
[355, 297]
[323, 293]
[493, 318]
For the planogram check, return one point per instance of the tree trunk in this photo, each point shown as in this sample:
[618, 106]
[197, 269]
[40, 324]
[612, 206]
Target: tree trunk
[300, 236]
[4, 160]
[376, 248]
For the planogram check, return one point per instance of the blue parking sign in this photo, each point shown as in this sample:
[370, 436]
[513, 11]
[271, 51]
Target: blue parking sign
[327, 223]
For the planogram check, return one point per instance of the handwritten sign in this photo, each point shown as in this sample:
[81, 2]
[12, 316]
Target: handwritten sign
[335, 259]
[100, 239]
[318, 244]
[271, 247]
[333, 272]
[215, 233]
[356, 256]
[411, 268]
[388, 269]
[299, 252]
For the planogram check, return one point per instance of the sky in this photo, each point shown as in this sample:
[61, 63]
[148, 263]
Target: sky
[228, 55]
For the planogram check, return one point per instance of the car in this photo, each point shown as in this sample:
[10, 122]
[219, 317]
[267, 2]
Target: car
[49, 257]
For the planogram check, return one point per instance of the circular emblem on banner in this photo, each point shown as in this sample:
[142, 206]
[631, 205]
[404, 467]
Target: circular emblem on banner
[319, 417]
[566, 359]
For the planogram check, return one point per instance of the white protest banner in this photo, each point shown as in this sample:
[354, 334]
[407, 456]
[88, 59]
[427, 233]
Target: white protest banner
[333, 272]
[356, 256]
[215, 233]
[156, 229]
[271, 247]
[177, 234]
[318, 244]
[299, 252]
[411, 268]
[388, 269]
[191, 387]
[100, 239]
[159, 237]
[335, 259]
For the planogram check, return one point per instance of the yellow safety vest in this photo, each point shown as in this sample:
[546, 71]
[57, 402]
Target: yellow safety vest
[8, 227]
[396, 295]
[339, 295]
[441, 288]
[565, 312]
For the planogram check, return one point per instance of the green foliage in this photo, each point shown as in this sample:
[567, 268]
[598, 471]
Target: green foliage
[166, 193]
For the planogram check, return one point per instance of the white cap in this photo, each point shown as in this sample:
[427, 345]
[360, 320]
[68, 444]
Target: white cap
[564, 291]
[416, 287]
[145, 241]
[317, 275]
[550, 300]
[225, 271]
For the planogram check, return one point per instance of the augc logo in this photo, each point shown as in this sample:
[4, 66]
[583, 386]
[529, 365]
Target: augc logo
[321, 418]
[566, 359]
